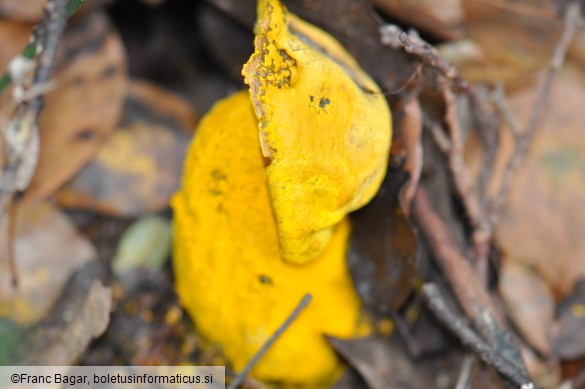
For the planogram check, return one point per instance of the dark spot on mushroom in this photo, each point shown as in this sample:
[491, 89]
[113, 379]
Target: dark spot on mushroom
[323, 102]
[312, 98]
[218, 174]
[264, 279]
[267, 161]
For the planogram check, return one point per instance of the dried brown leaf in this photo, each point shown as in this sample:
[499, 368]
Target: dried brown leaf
[139, 167]
[82, 315]
[27, 10]
[515, 39]
[13, 38]
[382, 250]
[47, 250]
[81, 113]
[443, 19]
[545, 222]
[384, 363]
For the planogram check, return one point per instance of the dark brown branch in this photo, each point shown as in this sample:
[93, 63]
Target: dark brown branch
[469, 291]
[456, 324]
[393, 36]
[481, 227]
[273, 338]
[523, 140]
[488, 128]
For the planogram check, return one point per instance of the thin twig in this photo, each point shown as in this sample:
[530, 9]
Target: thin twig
[465, 374]
[488, 128]
[455, 322]
[55, 24]
[409, 129]
[499, 97]
[480, 224]
[471, 294]
[441, 139]
[279, 331]
[31, 49]
[393, 36]
[524, 139]
[469, 291]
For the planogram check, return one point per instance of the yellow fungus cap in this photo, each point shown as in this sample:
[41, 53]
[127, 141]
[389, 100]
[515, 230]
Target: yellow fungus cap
[325, 129]
[229, 272]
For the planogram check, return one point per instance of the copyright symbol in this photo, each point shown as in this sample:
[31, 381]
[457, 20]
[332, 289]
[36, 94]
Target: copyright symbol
[15, 378]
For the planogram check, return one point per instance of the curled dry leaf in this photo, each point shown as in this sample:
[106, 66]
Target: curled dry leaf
[381, 255]
[82, 111]
[407, 145]
[47, 250]
[138, 168]
[325, 129]
[442, 19]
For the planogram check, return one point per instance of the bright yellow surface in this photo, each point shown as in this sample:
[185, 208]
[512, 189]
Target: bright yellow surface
[325, 129]
[229, 273]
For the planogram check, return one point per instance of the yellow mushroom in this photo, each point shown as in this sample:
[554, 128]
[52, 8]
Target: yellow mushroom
[325, 129]
[229, 272]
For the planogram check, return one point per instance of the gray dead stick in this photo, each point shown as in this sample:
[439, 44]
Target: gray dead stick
[279, 331]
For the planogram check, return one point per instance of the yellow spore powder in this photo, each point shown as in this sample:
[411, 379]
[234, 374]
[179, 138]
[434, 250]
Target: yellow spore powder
[229, 272]
[325, 129]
